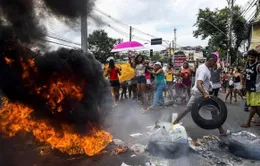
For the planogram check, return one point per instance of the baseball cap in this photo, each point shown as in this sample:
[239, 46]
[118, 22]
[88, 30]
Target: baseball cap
[158, 63]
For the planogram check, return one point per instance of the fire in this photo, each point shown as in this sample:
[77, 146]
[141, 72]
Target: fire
[15, 117]
[8, 60]
[60, 92]
[119, 149]
[56, 91]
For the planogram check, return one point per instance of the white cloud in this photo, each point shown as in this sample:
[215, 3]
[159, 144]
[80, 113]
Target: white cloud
[155, 17]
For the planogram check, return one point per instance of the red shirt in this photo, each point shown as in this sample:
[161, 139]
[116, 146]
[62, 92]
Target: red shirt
[114, 74]
[186, 76]
[147, 75]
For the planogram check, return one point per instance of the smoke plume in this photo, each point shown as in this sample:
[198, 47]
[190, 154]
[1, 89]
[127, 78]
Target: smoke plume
[22, 16]
[65, 85]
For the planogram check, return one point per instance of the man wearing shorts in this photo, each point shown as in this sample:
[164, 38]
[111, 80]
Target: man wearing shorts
[201, 87]
[252, 86]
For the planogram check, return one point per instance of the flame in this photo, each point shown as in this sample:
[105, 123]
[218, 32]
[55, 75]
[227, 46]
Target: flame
[56, 91]
[15, 117]
[8, 60]
[60, 93]
[119, 149]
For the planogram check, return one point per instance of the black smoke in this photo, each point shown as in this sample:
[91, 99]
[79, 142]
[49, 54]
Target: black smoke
[23, 15]
[19, 27]
[63, 64]
[70, 9]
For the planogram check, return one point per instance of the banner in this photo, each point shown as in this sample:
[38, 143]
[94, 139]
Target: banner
[127, 72]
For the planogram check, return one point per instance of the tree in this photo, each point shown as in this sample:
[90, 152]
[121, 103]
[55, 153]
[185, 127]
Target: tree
[100, 44]
[219, 18]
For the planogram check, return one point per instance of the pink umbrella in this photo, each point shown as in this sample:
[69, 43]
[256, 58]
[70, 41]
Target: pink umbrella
[127, 46]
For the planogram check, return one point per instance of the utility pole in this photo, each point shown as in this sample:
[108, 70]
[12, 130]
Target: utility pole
[175, 38]
[170, 49]
[130, 33]
[231, 5]
[84, 29]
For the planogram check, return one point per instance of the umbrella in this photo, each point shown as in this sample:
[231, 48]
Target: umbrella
[127, 46]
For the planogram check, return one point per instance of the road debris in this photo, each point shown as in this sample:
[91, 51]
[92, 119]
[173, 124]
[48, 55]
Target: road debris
[124, 164]
[168, 139]
[121, 147]
[136, 135]
[133, 155]
[138, 148]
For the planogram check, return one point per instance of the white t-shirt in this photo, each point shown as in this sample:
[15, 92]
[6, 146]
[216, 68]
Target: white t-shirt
[203, 74]
[140, 70]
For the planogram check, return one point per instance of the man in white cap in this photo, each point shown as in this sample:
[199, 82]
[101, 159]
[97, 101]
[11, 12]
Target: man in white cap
[201, 88]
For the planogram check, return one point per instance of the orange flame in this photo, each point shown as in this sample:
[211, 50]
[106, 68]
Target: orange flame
[119, 149]
[56, 91]
[8, 61]
[15, 117]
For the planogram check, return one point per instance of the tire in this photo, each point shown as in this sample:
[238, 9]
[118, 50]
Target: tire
[245, 149]
[214, 123]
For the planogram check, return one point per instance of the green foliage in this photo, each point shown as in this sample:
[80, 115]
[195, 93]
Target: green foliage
[156, 57]
[219, 18]
[100, 44]
[164, 59]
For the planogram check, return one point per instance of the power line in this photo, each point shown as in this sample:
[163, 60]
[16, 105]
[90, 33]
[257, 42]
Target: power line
[110, 26]
[57, 43]
[122, 23]
[59, 26]
[251, 5]
[134, 29]
[112, 18]
[56, 38]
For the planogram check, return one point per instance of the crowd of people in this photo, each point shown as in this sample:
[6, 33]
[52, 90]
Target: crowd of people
[152, 84]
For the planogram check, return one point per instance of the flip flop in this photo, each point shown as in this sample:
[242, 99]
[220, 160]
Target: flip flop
[245, 126]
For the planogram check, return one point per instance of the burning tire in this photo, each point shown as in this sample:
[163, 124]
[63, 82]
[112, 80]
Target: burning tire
[217, 119]
[245, 145]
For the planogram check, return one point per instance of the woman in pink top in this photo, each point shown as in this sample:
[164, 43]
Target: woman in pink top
[186, 74]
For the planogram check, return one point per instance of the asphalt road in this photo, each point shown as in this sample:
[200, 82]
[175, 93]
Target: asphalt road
[127, 119]
[121, 122]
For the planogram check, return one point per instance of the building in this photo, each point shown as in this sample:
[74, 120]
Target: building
[254, 39]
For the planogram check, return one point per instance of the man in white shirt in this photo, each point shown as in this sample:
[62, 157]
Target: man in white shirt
[201, 87]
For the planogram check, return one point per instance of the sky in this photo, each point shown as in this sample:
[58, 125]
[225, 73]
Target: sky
[149, 18]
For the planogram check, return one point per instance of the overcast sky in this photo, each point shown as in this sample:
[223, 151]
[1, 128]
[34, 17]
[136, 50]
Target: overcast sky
[155, 17]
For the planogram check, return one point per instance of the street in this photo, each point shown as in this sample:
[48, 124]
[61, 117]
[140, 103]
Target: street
[121, 122]
[127, 119]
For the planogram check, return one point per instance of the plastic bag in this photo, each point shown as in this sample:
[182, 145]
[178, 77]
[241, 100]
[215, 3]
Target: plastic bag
[168, 139]
[138, 148]
[245, 145]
